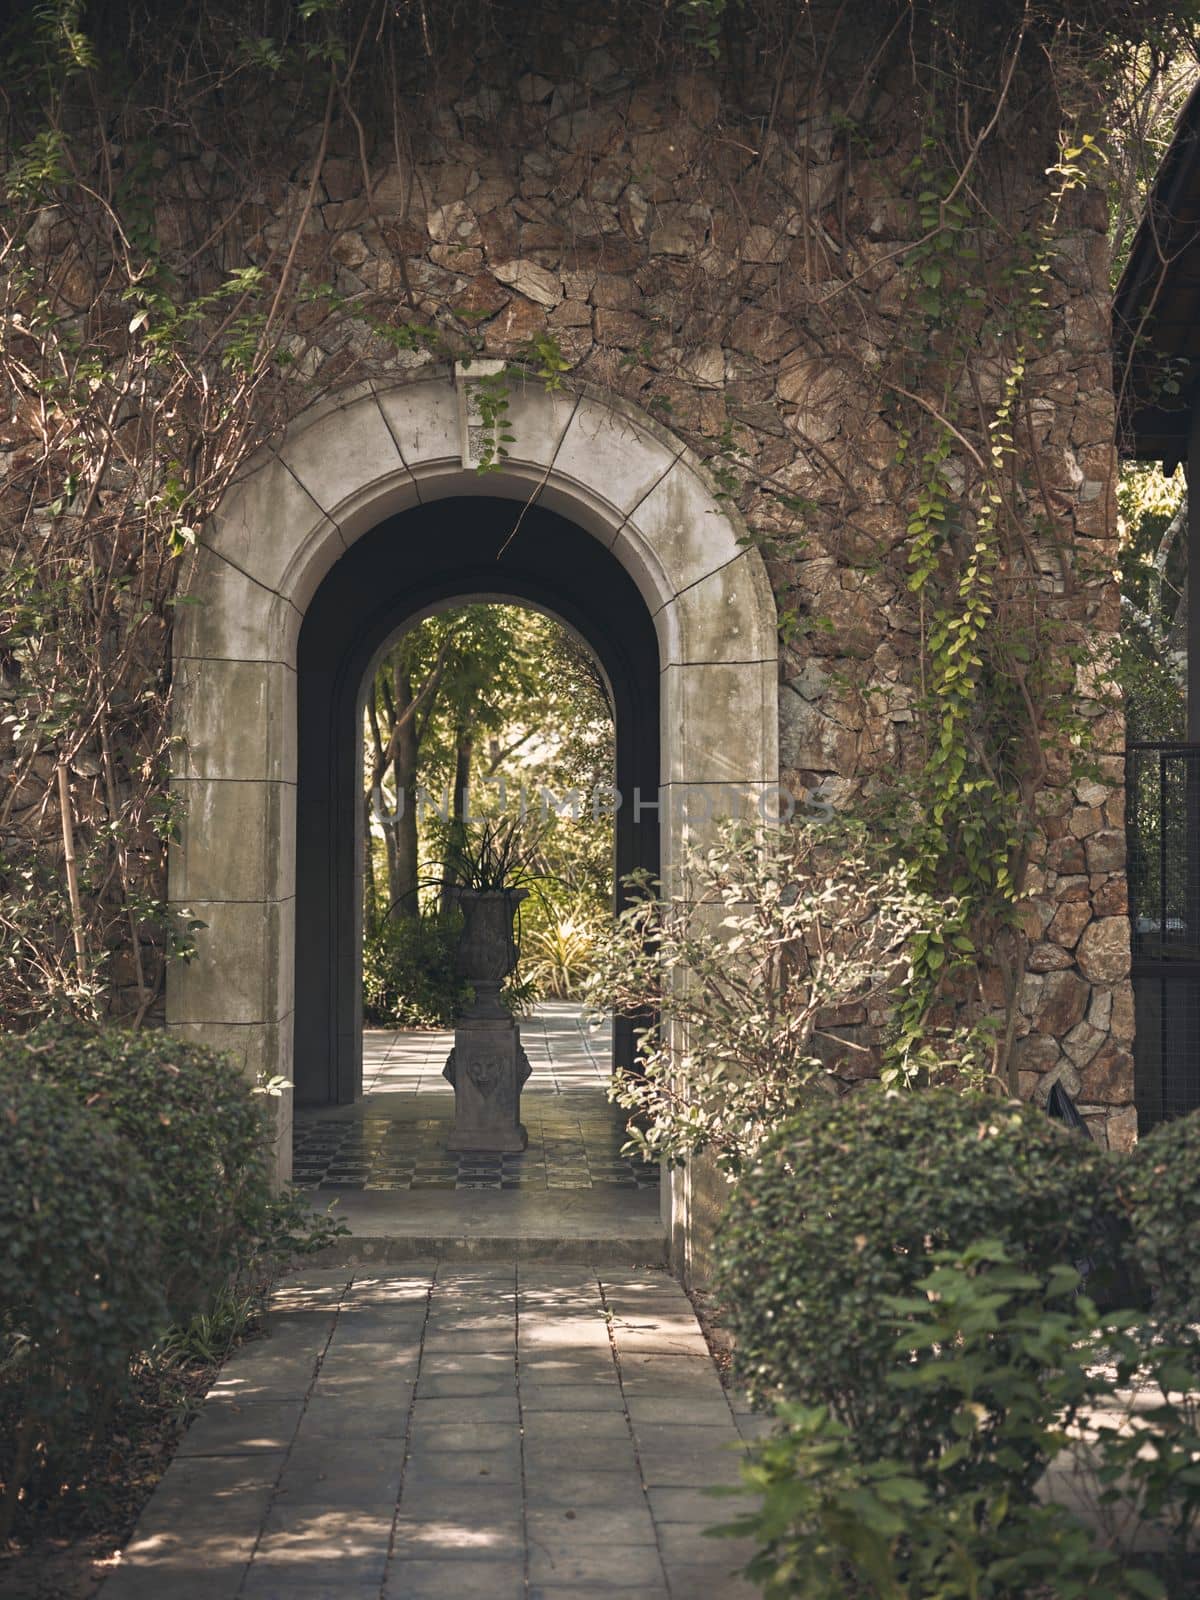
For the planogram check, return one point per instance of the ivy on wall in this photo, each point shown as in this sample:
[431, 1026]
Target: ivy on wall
[176, 280]
[998, 692]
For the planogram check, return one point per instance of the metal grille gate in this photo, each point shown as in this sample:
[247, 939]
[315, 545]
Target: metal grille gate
[1163, 823]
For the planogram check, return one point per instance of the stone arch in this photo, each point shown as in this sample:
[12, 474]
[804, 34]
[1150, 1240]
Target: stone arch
[345, 465]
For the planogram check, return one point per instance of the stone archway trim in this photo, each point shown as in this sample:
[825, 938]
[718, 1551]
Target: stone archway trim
[342, 467]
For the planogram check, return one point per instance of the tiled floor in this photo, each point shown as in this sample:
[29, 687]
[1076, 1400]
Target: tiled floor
[564, 1052]
[395, 1138]
[430, 1432]
[571, 1146]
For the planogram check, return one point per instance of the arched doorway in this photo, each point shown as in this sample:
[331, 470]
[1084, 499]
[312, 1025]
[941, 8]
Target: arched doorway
[402, 569]
[352, 470]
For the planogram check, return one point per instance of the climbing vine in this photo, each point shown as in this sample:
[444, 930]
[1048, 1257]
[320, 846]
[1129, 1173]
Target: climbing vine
[832, 265]
[976, 791]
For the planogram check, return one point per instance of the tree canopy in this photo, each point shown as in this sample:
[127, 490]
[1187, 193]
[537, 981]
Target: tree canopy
[477, 708]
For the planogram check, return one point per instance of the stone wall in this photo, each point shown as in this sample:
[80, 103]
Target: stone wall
[685, 261]
[714, 246]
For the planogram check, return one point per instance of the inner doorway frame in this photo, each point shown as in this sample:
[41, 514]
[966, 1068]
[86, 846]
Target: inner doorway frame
[409, 567]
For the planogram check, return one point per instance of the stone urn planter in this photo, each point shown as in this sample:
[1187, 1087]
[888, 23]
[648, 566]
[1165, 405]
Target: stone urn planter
[487, 1066]
[487, 949]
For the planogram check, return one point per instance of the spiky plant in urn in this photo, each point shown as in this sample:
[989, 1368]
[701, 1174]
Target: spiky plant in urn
[491, 868]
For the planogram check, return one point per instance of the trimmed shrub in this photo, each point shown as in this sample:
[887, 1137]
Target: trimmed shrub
[1160, 1189]
[1010, 1357]
[409, 979]
[196, 1124]
[846, 1207]
[80, 1286]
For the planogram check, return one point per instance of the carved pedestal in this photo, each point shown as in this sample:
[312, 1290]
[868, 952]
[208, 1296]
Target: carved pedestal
[488, 1068]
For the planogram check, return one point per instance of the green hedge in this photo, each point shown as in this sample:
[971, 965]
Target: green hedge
[409, 979]
[80, 1273]
[1160, 1189]
[1009, 1360]
[190, 1114]
[136, 1215]
[845, 1209]
[901, 1273]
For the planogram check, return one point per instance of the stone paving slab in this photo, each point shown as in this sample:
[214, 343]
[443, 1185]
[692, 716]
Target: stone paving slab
[552, 1227]
[565, 1051]
[438, 1430]
[473, 1580]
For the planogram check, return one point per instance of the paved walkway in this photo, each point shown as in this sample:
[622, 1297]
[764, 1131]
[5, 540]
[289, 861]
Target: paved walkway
[394, 1138]
[439, 1432]
[564, 1051]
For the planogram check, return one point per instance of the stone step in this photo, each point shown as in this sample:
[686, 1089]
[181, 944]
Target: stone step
[609, 1228]
[597, 1250]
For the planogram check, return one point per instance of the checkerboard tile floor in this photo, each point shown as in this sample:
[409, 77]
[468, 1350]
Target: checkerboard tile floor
[396, 1137]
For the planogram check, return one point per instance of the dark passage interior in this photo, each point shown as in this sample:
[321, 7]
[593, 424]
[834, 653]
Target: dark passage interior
[403, 568]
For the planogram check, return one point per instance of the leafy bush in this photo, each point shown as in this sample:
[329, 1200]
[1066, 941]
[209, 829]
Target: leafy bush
[520, 993]
[558, 953]
[1010, 1359]
[80, 1285]
[208, 1336]
[844, 1210]
[1143, 1468]
[135, 1217]
[765, 960]
[1160, 1187]
[197, 1126]
[833, 1527]
[409, 979]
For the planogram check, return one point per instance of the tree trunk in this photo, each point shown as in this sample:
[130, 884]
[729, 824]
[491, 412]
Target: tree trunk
[464, 747]
[375, 809]
[370, 891]
[405, 862]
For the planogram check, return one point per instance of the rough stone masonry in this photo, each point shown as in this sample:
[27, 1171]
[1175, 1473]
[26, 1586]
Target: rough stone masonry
[723, 246]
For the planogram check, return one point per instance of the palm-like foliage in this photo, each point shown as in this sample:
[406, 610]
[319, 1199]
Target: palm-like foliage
[560, 954]
[496, 854]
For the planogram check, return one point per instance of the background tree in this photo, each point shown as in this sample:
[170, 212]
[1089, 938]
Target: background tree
[483, 700]
[483, 708]
[1152, 664]
[445, 684]
[1148, 89]
[1148, 94]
